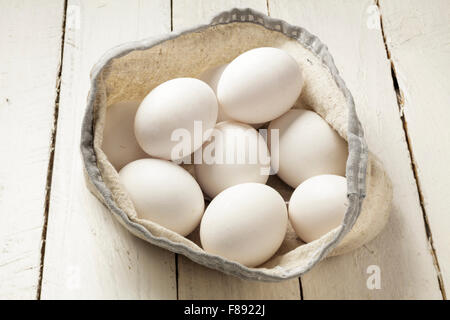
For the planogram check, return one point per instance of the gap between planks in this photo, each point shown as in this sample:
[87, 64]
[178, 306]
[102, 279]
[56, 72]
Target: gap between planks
[268, 7]
[171, 15]
[48, 185]
[400, 102]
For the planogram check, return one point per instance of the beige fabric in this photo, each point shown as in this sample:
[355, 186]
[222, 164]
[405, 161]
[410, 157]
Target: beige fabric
[133, 75]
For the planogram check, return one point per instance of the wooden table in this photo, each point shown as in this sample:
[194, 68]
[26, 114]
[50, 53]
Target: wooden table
[57, 241]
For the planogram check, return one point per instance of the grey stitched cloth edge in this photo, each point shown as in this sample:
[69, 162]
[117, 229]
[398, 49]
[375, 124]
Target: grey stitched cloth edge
[356, 163]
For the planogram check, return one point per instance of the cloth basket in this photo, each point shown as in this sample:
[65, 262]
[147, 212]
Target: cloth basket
[130, 71]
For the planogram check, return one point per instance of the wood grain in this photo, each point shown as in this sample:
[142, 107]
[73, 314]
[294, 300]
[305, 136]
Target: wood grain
[417, 37]
[195, 281]
[89, 255]
[30, 52]
[351, 30]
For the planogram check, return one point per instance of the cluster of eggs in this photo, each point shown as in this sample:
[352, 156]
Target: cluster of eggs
[246, 220]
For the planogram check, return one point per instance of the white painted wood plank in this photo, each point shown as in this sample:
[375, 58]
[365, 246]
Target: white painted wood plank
[195, 281]
[189, 13]
[351, 29]
[89, 255]
[418, 35]
[200, 283]
[30, 44]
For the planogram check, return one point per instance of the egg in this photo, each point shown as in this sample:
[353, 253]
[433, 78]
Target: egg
[307, 147]
[259, 85]
[317, 206]
[119, 143]
[245, 223]
[211, 77]
[236, 154]
[164, 193]
[174, 119]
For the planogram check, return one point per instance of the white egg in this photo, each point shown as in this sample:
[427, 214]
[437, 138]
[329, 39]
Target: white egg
[211, 77]
[236, 154]
[164, 193]
[170, 113]
[317, 206]
[259, 85]
[119, 142]
[245, 223]
[307, 147]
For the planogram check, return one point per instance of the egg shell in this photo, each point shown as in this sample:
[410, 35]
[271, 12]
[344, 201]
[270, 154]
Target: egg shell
[119, 143]
[211, 77]
[175, 104]
[245, 223]
[317, 206]
[307, 147]
[259, 85]
[232, 139]
[164, 193]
